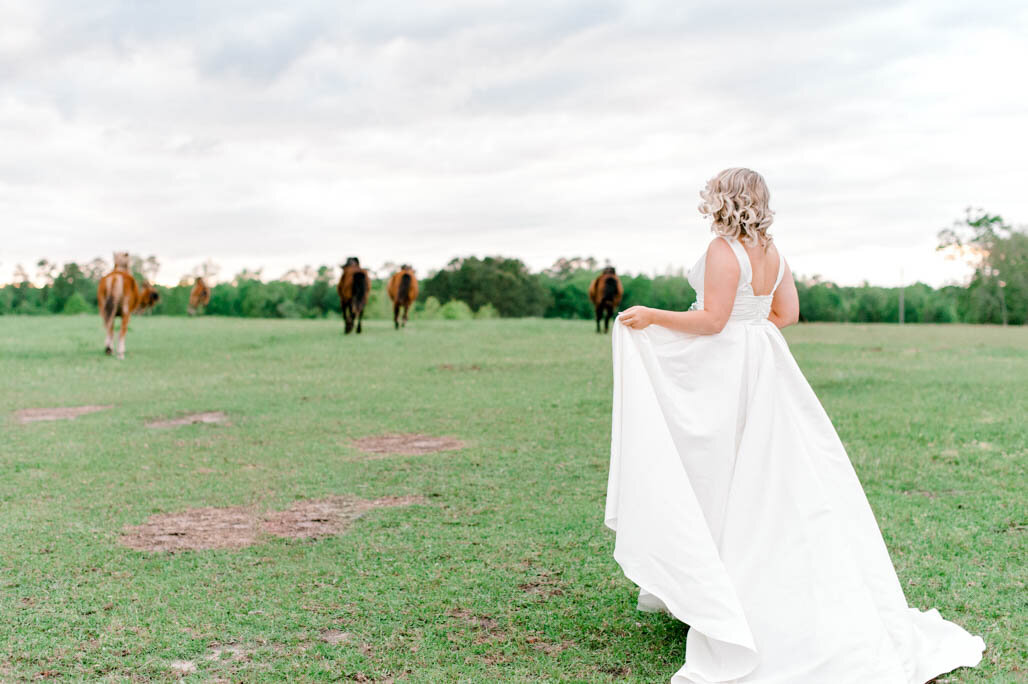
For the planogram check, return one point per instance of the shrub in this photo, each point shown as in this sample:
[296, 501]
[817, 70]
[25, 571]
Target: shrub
[487, 311]
[289, 309]
[430, 310]
[75, 304]
[456, 310]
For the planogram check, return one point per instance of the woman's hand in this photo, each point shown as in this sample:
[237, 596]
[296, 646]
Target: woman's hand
[637, 317]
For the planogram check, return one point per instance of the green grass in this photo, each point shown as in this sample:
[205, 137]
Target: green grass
[934, 419]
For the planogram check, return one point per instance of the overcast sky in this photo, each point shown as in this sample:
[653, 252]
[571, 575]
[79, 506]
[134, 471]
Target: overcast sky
[275, 135]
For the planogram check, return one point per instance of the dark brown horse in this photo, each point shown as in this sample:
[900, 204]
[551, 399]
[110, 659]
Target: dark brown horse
[199, 297]
[403, 290]
[605, 293]
[354, 289]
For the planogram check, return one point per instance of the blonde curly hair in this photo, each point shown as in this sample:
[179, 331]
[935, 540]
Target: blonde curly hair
[737, 202]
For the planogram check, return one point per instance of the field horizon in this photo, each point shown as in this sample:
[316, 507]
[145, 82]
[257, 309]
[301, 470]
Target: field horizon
[486, 561]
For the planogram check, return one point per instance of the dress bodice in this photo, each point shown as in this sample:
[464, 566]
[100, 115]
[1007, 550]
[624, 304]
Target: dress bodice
[748, 306]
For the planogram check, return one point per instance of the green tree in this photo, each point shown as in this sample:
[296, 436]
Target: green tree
[821, 301]
[70, 281]
[505, 283]
[998, 252]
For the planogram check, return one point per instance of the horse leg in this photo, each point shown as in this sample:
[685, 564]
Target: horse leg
[396, 314]
[599, 315]
[121, 335]
[360, 319]
[406, 310]
[347, 319]
[608, 312]
[109, 341]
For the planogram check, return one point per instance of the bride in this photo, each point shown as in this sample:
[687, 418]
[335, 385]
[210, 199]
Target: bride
[735, 506]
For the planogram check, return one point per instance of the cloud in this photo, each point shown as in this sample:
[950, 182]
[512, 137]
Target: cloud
[260, 134]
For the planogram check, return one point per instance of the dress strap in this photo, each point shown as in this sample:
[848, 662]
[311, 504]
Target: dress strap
[781, 272]
[745, 269]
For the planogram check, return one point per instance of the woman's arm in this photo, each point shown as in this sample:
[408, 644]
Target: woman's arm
[720, 282]
[785, 307]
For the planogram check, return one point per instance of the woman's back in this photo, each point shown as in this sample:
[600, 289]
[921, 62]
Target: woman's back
[764, 265]
[760, 271]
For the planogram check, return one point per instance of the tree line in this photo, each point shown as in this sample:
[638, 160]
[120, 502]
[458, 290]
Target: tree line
[470, 287]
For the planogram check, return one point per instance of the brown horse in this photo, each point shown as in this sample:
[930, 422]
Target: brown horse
[200, 296]
[354, 288]
[605, 293]
[403, 290]
[119, 295]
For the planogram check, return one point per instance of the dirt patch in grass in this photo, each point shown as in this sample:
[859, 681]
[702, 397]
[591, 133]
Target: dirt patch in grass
[926, 493]
[216, 653]
[616, 671]
[486, 628]
[406, 443]
[365, 679]
[548, 647]
[336, 636]
[544, 585]
[194, 529]
[325, 517]
[206, 417]
[318, 518]
[220, 652]
[182, 667]
[460, 367]
[470, 618]
[32, 415]
[199, 529]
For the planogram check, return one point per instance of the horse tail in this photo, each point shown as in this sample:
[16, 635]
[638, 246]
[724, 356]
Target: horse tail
[359, 290]
[610, 289]
[109, 307]
[404, 291]
[114, 296]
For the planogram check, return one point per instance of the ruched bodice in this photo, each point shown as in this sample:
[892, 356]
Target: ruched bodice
[748, 306]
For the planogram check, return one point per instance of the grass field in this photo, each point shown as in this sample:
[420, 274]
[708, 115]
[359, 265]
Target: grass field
[504, 572]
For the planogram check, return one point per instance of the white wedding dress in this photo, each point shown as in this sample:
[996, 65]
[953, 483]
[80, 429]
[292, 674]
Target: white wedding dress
[737, 511]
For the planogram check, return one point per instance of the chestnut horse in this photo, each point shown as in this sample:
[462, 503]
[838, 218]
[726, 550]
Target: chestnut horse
[118, 295]
[605, 293]
[200, 296]
[403, 290]
[354, 288]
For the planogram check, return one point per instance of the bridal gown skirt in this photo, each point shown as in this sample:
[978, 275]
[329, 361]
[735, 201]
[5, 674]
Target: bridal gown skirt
[737, 510]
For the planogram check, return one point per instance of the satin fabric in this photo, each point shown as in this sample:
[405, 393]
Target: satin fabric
[738, 512]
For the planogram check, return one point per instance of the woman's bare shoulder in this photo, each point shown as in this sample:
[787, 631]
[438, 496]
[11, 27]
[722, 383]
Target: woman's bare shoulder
[720, 246]
[720, 255]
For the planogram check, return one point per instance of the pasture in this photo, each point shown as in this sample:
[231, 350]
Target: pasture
[492, 564]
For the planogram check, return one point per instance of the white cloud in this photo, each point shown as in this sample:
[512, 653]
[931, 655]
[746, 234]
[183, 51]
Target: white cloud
[263, 136]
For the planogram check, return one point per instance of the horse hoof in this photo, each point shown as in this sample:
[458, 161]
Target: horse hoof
[108, 351]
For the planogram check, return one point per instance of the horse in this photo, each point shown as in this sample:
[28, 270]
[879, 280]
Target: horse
[354, 289]
[605, 293]
[403, 290]
[118, 295]
[200, 296]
